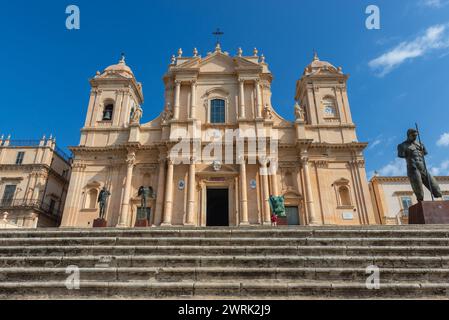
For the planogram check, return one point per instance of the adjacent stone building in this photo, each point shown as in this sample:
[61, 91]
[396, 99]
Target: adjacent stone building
[315, 162]
[393, 196]
[34, 178]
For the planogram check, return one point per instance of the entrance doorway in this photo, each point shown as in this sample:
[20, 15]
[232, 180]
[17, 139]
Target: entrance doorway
[292, 216]
[217, 207]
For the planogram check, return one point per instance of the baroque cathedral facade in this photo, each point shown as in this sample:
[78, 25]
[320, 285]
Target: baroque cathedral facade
[315, 162]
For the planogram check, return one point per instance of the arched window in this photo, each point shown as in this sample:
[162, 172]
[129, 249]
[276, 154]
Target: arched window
[345, 196]
[91, 201]
[108, 112]
[217, 111]
[330, 110]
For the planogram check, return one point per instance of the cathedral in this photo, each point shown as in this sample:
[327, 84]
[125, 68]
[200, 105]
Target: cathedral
[219, 151]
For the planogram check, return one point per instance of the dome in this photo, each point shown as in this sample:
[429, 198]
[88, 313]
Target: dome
[121, 68]
[317, 65]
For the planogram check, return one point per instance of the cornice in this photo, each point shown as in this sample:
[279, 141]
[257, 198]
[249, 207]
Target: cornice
[404, 179]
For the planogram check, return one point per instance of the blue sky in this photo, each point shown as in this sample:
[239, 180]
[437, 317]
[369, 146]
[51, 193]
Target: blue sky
[399, 74]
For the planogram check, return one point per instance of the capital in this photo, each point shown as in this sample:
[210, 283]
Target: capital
[131, 158]
[242, 160]
[264, 161]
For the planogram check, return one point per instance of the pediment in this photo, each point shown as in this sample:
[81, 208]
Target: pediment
[341, 182]
[244, 63]
[217, 62]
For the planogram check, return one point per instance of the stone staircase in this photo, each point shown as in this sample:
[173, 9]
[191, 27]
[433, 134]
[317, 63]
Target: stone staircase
[224, 263]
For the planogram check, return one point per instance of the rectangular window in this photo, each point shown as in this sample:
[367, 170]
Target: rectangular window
[406, 204]
[217, 111]
[20, 156]
[446, 198]
[8, 195]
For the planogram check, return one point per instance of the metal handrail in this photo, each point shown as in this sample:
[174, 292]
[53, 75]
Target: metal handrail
[30, 203]
[35, 143]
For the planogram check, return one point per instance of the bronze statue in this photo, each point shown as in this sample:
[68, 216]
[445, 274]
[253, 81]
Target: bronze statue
[102, 200]
[145, 193]
[414, 152]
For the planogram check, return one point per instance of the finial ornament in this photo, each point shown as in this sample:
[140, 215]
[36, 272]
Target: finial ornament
[218, 47]
[315, 55]
[255, 52]
[239, 52]
[173, 59]
[195, 52]
[180, 53]
[262, 59]
[122, 59]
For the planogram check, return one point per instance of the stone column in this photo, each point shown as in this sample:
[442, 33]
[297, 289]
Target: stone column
[124, 214]
[309, 196]
[258, 99]
[191, 193]
[265, 191]
[242, 99]
[243, 193]
[193, 101]
[160, 192]
[177, 99]
[71, 206]
[168, 195]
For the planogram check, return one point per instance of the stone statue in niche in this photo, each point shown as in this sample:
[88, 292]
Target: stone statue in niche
[299, 112]
[136, 115]
[167, 115]
[268, 114]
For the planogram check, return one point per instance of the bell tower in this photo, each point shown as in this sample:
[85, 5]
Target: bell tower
[321, 94]
[115, 94]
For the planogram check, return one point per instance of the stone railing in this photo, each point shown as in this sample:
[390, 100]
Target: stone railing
[5, 224]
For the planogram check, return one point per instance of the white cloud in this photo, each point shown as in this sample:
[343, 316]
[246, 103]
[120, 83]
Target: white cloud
[434, 3]
[375, 143]
[444, 140]
[435, 37]
[395, 168]
[398, 168]
[441, 170]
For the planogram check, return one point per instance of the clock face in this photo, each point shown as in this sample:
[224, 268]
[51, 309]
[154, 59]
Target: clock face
[329, 111]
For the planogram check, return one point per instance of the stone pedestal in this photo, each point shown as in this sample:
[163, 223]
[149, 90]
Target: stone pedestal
[143, 218]
[100, 223]
[429, 213]
[282, 221]
[142, 224]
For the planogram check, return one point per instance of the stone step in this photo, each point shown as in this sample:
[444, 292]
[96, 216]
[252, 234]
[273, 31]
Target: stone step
[179, 274]
[100, 250]
[232, 290]
[300, 232]
[165, 241]
[225, 261]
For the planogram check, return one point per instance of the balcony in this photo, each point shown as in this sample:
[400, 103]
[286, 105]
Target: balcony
[37, 205]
